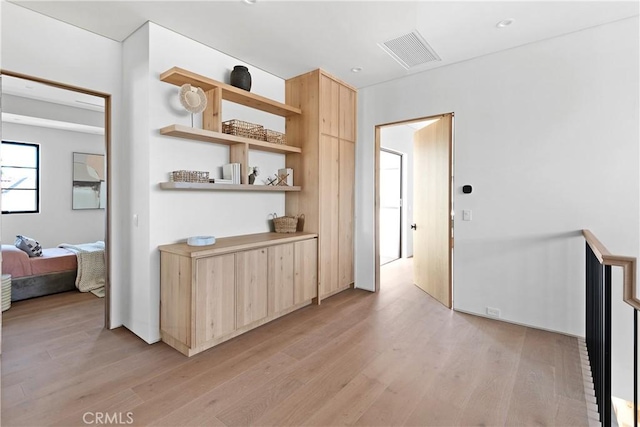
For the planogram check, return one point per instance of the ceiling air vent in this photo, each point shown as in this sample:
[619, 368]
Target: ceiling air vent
[410, 50]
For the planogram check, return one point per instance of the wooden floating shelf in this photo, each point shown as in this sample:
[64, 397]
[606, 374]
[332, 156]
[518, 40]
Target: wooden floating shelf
[179, 76]
[224, 187]
[187, 132]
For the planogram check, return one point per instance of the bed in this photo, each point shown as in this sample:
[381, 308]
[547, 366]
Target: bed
[54, 272]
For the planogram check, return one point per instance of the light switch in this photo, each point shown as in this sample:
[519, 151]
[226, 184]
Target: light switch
[466, 215]
[135, 219]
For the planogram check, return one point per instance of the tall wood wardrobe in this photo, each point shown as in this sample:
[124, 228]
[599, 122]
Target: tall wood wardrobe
[326, 171]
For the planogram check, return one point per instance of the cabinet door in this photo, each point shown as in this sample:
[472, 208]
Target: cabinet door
[215, 299]
[305, 280]
[329, 106]
[251, 286]
[175, 297]
[328, 233]
[280, 278]
[346, 213]
[347, 113]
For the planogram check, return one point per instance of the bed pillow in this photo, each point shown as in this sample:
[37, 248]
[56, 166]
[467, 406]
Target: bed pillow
[28, 245]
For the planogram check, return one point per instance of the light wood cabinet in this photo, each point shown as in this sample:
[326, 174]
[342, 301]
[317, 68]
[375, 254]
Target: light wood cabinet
[211, 294]
[281, 271]
[305, 271]
[293, 274]
[327, 129]
[329, 106]
[215, 299]
[346, 210]
[251, 286]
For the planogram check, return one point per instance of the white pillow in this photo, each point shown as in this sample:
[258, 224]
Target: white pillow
[30, 246]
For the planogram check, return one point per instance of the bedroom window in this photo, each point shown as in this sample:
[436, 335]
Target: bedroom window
[20, 168]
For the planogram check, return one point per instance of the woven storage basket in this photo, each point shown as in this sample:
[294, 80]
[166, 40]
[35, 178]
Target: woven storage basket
[285, 224]
[275, 137]
[240, 128]
[189, 176]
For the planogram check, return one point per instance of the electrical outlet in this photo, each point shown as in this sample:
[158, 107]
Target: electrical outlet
[493, 312]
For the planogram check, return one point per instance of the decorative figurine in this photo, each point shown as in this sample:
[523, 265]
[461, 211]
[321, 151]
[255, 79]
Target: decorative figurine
[255, 172]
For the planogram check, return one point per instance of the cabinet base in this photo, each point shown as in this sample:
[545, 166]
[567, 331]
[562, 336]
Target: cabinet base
[190, 351]
[332, 293]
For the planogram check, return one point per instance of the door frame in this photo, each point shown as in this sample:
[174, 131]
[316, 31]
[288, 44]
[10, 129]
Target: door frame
[401, 155]
[376, 231]
[107, 139]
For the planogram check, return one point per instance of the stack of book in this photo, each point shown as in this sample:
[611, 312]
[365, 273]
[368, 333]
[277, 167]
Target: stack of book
[230, 174]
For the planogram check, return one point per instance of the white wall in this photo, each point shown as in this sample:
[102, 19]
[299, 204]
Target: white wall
[400, 138]
[39, 46]
[171, 216]
[548, 136]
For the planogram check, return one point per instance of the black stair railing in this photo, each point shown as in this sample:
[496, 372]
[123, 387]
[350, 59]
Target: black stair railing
[598, 320]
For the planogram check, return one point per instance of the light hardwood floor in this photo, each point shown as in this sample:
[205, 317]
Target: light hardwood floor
[393, 358]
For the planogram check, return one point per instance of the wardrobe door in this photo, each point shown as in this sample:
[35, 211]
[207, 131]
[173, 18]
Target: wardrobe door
[347, 114]
[346, 213]
[329, 232]
[329, 106]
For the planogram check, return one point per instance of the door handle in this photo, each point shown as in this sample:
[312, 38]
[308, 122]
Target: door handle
[414, 227]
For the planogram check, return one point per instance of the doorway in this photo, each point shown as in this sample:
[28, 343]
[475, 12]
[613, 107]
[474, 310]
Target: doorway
[391, 201]
[81, 95]
[431, 139]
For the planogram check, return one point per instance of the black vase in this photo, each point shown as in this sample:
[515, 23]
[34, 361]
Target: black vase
[240, 77]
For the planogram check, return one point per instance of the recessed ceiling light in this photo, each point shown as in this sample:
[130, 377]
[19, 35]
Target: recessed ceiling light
[356, 69]
[504, 23]
[250, 1]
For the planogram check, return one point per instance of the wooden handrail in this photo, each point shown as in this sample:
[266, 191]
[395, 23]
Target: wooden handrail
[628, 265]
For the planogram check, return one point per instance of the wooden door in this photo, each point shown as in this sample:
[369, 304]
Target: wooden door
[215, 301]
[305, 280]
[251, 286]
[346, 211]
[328, 235]
[280, 278]
[432, 209]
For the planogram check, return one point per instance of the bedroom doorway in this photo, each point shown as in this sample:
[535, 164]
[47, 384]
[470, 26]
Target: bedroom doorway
[82, 172]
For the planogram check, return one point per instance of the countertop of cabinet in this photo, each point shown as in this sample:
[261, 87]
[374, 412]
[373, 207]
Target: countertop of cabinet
[225, 245]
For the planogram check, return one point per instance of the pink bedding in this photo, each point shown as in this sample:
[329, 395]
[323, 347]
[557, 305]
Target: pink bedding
[53, 260]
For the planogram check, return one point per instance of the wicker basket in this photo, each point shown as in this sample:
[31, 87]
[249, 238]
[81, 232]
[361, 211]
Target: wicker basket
[189, 176]
[285, 224]
[274, 137]
[240, 128]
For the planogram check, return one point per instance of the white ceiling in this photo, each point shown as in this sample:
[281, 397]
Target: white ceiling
[42, 92]
[288, 38]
